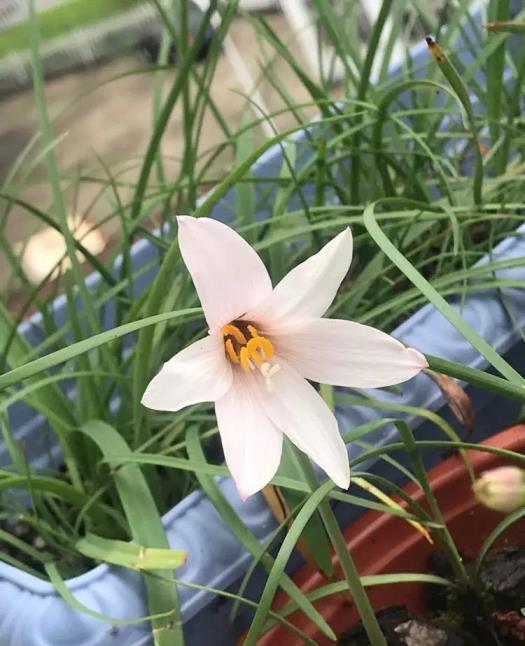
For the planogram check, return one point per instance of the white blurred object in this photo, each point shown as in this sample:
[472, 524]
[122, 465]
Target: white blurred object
[303, 24]
[13, 12]
[258, 5]
[45, 252]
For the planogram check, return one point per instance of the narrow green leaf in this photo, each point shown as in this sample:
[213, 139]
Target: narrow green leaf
[130, 555]
[277, 571]
[244, 191]
[496, 533]
[437, 300]
[499, 11]
[476, 377]
[508, 26]
[52, 166]
[364, 84]
[245, 536]
[369, 581]
[459, 87]
[350, 571]
[314, 534]
[146, 529]
[69, 597]
[75, 349]
[442, 534]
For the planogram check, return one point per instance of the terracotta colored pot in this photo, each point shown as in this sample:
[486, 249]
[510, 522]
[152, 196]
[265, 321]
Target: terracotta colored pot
[381, 543]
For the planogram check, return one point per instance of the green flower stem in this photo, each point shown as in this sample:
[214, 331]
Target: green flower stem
[476, 377]
[442, 534]
[361, 600]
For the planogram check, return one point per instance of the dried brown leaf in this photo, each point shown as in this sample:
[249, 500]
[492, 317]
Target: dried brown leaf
[458, 400]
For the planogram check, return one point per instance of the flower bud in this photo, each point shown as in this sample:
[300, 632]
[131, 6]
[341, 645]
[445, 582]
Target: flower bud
[502, 489]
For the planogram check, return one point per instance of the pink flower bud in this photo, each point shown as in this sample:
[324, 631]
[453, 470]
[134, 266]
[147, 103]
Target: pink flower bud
[502, 489]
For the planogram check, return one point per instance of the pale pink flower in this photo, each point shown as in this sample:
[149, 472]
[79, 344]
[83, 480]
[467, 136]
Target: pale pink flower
[263, 345]
[501, 489]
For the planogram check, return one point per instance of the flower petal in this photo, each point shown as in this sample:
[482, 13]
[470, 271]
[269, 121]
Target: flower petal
[344, 353]
[308, 290]
[300, 412]
[251, 442]
[228, 275]
[199, 373]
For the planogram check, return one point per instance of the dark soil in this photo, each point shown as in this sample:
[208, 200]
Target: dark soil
[30, 549]
[488, 615]
[38, 550]
[403, 628]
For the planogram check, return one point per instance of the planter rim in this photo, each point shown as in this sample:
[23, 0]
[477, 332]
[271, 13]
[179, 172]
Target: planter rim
[34, 584]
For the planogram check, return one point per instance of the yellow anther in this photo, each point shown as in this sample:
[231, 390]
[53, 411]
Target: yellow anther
[250, 353]
[254, 355]
[230, 351]
[245, 359]
[253, 330]
[261, 348]
[233, 330]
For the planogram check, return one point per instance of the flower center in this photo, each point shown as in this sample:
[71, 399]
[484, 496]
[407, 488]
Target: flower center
[244, 346]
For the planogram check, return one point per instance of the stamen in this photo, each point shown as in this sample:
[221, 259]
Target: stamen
[254, 355]
[230, 351]
[261, 344]
[252, 330]
[233, 330]
[250, 353]
[245, 359]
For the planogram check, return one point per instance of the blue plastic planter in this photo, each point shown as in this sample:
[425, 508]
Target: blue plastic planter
[33, 614]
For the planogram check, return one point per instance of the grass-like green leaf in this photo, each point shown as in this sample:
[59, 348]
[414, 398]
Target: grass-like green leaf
[67, 595]
[277, 571]
[130, 555]
[146, 529]
[75, 349]
[244, 535]
[437, 300]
